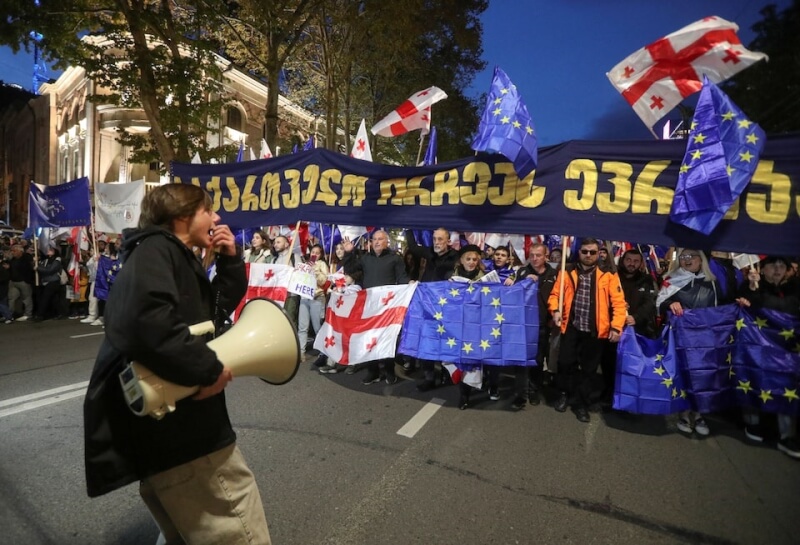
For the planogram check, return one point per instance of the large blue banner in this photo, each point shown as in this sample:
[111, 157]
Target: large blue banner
[63, 205]
[610, 190]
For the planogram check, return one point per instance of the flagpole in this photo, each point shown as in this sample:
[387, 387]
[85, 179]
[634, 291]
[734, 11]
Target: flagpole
[561, 276]
[294, 239]
[419, 153]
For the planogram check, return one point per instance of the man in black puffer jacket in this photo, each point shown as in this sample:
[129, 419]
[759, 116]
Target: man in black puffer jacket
[193, 478]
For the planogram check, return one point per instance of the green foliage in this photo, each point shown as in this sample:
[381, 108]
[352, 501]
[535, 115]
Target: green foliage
[769, 92]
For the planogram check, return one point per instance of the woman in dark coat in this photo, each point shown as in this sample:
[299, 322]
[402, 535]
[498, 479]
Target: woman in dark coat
[160, 291]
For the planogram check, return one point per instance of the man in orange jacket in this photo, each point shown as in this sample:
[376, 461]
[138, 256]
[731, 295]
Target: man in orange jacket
[593, 314]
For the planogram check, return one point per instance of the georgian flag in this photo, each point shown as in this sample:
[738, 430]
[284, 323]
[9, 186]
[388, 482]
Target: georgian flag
[413, 114]
[655, 79]
[266, 153]
[265, 281]
[363, 325]
[361, 145]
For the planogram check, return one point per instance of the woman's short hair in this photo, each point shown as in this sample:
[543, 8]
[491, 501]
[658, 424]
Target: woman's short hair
[166, 203]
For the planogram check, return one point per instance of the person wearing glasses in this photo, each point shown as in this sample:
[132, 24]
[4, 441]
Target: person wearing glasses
[593, 315]
[689, 284]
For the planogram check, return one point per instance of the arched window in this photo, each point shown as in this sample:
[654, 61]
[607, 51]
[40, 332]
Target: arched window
[235, 119]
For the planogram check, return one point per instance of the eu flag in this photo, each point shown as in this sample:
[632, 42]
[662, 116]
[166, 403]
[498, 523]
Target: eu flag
[506, 126]
[107, 270]
[63, 205]
[240, 154]
[765, 367]
[648, 379]
[309, 145]
[722, 154]
[473, 323]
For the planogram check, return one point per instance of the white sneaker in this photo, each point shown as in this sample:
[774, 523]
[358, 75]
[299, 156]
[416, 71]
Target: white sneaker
[88, 320]
[23, 318]
[701, 427]
[99, 321]
[684, 425]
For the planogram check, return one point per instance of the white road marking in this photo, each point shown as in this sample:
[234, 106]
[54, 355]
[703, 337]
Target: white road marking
[411, 427]
[591, 430]
[45, 397]
[86, 335]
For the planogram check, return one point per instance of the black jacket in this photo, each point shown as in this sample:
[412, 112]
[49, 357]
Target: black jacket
[381, 269]
[640, 296]
[160, 291]
[437, 267]
[784, 298]
[22, 268]
[546, 282]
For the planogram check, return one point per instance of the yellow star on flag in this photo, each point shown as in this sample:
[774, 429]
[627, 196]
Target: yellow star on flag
[505, 119]
[471, 288]
[791, 395]
[516, 124]
[528, 129]
[495, 302]
[659, 370]
[696, 154]
[765, 395]
[467, 347]
[731, 340]
[499, 318]
[667, 382]
[699, 138]
[503, 91]
[731, 372]
[442, 301]
[728, 358]
[786, 334]
[674, 393]
[740, 324]
[684, 168]
[728, 116]
[498, 100]
[454, 292]
[451, 342]
[746, 156]
[659, 357]
[729, 170]
[745, 124]
[438, 315]
[761, 322]
[440, 329]
[683, 394]
[486, 290]
[744, 385]
[752, 139]
[485, 344]
[497, 111]
[495, 332]
[693, 126]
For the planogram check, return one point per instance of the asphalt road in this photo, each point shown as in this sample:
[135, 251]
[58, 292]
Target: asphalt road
[332, 468]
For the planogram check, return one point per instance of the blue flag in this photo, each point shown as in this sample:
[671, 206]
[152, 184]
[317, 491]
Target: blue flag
[423, 237]
[722, 154]
[240, 155]
[64, 205]
[473, 323]
[107, 270]
[704, 339]
[506, 126]
[430, 153]
[309, 145]
[328, 235]
[765, 367]
[648, 380]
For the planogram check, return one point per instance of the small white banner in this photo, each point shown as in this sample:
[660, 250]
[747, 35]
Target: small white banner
[117, 206]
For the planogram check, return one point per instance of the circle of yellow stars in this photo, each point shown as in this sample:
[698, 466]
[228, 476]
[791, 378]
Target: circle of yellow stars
[467, 347]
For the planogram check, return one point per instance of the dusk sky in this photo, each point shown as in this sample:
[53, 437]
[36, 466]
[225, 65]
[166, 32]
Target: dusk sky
[557, 53]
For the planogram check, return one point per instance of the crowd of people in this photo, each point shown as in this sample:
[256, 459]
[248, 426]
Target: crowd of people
[583, 310]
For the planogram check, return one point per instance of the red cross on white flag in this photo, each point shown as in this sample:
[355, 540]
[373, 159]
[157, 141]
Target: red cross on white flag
[657, 77]
[361, 145]
[363, 325]
[266, 282]
[266, 153]
[413, 114]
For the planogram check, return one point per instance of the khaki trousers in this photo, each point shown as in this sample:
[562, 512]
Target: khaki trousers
[212, 500]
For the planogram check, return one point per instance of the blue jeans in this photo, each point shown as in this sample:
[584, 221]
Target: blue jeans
[311, 313]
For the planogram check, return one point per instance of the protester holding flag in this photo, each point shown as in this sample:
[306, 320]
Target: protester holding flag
[689, 284]
[50, 291]
[192, 475]
[771, 289]
[282, 255]
[380, 266]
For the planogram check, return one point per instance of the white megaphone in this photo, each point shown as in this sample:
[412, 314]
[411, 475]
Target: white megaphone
[263, 343]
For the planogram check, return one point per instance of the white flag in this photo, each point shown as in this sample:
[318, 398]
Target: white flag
[252, 154]
[266, 153]
[117, 206]
[413, 114]
[361, 145]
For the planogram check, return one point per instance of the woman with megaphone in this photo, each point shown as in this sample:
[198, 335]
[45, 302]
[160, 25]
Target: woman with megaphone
[192, 476]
